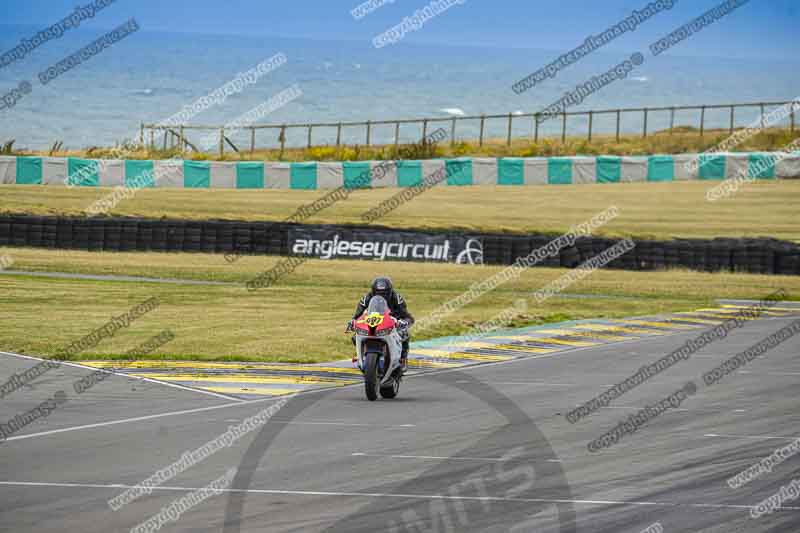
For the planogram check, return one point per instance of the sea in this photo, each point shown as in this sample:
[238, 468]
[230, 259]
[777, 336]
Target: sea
[149, 76]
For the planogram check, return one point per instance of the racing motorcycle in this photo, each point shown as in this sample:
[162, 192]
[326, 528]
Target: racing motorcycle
[378, 339]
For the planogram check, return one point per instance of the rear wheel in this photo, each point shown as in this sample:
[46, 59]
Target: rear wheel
[371, 383]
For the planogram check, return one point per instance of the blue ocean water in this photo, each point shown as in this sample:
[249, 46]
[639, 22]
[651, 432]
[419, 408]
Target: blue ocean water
[150, 76]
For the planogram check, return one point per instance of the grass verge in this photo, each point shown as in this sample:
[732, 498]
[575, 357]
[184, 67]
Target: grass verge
[301, 318]
[647, 210]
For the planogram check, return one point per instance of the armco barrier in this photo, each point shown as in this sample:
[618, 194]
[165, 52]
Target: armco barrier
[756, 255]
[54, 171]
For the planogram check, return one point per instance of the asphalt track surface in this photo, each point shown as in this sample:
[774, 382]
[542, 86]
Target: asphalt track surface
[482, 448]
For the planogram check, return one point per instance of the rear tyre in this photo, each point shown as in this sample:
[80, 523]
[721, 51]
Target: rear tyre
[371, 383]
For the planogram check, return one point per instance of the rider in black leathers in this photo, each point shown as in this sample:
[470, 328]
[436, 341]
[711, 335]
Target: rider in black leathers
[397, 305]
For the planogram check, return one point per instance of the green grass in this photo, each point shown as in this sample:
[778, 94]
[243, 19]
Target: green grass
[301, 318]
[647, 210]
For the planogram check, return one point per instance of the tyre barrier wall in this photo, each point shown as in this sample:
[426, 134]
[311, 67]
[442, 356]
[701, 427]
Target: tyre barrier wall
[756, 255]
[55, 171]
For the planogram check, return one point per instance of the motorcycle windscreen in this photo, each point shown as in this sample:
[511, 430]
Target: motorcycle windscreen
[377, 304]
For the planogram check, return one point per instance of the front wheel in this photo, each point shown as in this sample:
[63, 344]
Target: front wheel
[371, 382]
[391, 390]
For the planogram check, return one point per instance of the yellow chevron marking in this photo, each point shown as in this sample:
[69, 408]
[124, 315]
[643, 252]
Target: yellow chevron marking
[459, 355]
[698, 320]
[599, 327]
[480, 357]
[733, 312]
[248, 390]
[790, 309]
[551, 340]
[658, 324]
[581, 334]
[525, 349]
[231, 366]
[242, 378]
[721, 317]
[474, 344]
[432, 364]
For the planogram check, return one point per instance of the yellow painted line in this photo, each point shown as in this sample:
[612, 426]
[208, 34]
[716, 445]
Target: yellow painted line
[599, 327]
[698, 320]
[719, 316]
[232, 366]
[792, 309]
[242, 378]
[733, 312]
[432, 364]
[256, 390]
[581, 334]
[551, 340]
[658, 324]
[458, 355]
[474, 344]
[480, 357]
[525, 349]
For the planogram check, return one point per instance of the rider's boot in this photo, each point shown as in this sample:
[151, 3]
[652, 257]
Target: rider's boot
[404, 357]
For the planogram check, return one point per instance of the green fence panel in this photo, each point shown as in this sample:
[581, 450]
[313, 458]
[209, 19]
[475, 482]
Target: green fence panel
[712, 167]
[357, 175]
[83, 172]
[459, 171]
[510, 171]
[303, 176]
[29, 171]
[249, 175]
[609, 169]
[660, 168]
[761, 166]
[409, 173]
[196, 174]
[139, 174]
[559, 171]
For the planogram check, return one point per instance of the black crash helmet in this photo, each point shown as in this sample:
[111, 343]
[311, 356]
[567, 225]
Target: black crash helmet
[382, 287]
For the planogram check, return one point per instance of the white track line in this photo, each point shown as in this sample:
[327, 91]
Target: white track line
[476, 366]
[136, 419]
[435, 457]
[393, 495]
[748, 436]
[165, 383]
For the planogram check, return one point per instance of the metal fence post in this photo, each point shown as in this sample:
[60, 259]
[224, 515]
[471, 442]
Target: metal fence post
[644, 133]
[564, 127]
[671, 120]
[510, 119]
[396, 135]
[763, 118]
[252, 141]
[369, 128]
[702, 120]
[536, 128]
[733, 111]
[480, 139]
[183, 140]
[309, 135]
[453, 132]
[591, 119]
[141, 134]
[339, 135]
[152, 139]
[283, 137]
[221, 141]
[424, 130]
[619, 116]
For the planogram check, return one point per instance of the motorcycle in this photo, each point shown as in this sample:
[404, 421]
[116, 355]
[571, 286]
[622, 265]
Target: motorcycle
[378, 340]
